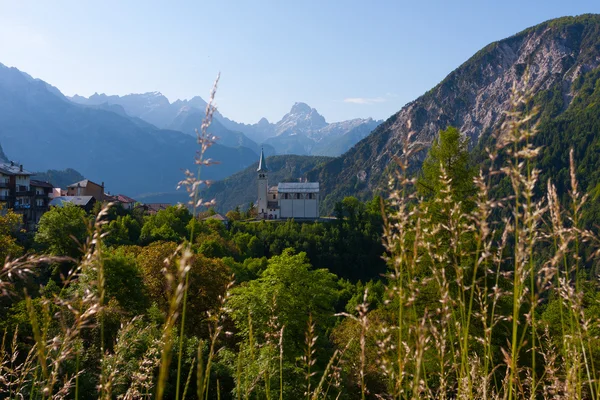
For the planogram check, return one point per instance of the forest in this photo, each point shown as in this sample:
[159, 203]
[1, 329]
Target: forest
[465, 280]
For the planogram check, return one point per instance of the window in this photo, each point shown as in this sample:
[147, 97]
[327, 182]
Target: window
[274, 197]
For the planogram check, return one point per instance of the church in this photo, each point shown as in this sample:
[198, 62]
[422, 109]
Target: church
[298, 200]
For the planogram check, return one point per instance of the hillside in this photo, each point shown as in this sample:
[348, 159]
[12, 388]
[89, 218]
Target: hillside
[43, 130]
[241, 188]
[559, 54]
[59, 179]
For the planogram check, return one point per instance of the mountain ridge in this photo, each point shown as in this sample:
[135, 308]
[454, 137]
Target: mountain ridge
[44, 130]
[473, 98]
[299, 131]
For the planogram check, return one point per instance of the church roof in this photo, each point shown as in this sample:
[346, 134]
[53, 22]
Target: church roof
[298, 187]
[262, 163]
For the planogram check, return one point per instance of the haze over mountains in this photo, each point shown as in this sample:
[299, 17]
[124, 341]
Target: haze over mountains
[302, 131]
[42, 129]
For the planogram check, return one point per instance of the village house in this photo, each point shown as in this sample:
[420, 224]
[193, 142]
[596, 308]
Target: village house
[24, 196]
[42, 192]
[87, 188]
[85, 202]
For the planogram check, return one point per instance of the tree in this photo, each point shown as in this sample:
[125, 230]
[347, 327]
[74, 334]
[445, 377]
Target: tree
[290, 290]
[208, 279]
[169, 224]
[123, 281]
[124, 230]
[450, 151]
[10, 223]
[62, 230]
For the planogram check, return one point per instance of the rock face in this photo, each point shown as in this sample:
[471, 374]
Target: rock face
[472, 98]
[304, 131]
[300, 120]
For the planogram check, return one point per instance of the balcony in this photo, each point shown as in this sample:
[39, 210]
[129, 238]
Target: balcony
[4, 184]
[4, 198]
[41, 195]
[24, 193]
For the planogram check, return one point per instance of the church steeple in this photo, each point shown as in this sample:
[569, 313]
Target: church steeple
[262, 164]
[263, 187]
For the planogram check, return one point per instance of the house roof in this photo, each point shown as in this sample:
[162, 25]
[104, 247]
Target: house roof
[76, 200]
[217, 217]
[124, 199]
[262, 163]
[109, 198]
[82, 183]
[298, 187]
[37, 183]
[157, 206]
[11, 168]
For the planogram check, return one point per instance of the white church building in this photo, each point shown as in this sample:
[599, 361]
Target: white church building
[296, 200]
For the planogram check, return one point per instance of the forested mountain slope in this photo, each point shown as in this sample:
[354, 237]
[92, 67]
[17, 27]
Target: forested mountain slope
[559, 56]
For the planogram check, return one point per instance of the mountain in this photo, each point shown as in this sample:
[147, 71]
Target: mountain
[189, 119]
[151, 107]
[302, 131]
[60, 179]
[3, 157]
[241, 188]
[42, 129]
[181, 115]
[558, 54]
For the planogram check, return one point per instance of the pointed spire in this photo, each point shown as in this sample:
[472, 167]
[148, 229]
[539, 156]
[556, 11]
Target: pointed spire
[262, 164]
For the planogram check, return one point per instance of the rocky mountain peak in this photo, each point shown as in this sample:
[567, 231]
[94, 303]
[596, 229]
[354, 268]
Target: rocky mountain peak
[302, 119]
[263, 122]
[301, 108]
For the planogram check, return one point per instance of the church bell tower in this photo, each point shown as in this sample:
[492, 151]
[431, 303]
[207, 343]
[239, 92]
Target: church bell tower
[263, 187]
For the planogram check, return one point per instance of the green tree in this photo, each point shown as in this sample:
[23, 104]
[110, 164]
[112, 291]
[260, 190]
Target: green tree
[10, 223]
[62, 230]
[290, 290]
[125, 230]
[450, 152]
[169, 224]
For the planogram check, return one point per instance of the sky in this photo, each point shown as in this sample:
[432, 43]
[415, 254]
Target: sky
[346, 58]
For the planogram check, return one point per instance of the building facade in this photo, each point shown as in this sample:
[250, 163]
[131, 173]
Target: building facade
[23, 195]
[298, 200]
[86, 188]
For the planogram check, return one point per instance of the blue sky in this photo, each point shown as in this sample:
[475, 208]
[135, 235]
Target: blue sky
[347, 59]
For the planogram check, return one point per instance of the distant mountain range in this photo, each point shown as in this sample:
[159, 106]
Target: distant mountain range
[302, 131]
[140, 144]
[43, 130]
